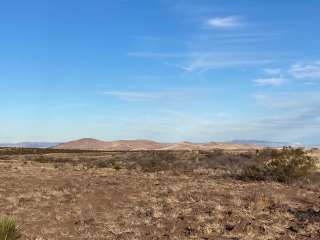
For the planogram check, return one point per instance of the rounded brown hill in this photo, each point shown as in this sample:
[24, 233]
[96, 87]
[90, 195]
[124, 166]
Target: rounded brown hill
[121, 145]
[129, 145]
[84, 144]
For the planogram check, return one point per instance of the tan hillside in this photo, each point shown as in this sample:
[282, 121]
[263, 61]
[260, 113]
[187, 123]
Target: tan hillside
[136, 145]
[121, 145]
[84, 144]
[129, 145]
[185, 146]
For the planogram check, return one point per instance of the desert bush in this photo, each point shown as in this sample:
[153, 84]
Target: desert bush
[102, 164]
[281, 165]
[8, 229]
[49, 159]
[153, 165]
[35, 151]
[117, 167]
[231, 163]
[253, 172]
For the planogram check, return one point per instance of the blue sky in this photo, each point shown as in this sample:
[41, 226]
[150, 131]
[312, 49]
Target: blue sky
[196, 70]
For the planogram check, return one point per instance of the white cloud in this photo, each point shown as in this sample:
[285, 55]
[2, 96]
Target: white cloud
[215, 61]
[224, 22]
[134, 96]
[292, 115]
[306, 71]
[272, 71]
[287, 116]
[204, 61]
[269, 81]
[179, 94]
[289, 100]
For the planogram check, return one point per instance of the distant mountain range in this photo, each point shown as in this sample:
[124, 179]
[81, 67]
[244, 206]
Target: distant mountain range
[263, 143]
[30, 144]
[124, 145]
[128, 145]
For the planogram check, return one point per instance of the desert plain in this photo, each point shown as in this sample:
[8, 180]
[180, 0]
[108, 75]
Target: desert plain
[152, 194]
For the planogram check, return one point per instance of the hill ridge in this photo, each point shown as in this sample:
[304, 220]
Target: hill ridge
[144, 144]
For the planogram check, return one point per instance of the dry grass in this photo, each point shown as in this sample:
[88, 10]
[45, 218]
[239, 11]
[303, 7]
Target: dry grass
[153, 195]
[8, 229]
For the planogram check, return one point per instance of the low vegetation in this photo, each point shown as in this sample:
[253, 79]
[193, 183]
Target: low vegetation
[8, 229]
[282, 165]
[162, 194]
[25, 151]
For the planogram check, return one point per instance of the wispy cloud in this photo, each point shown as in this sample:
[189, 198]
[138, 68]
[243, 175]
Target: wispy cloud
[171, 125]
[158, 55]
[291, 115]
[134, 95]
[205, 65]
[225, 22]
[269, 81]
[302, 119]
[204, 61]
[209, 61]
[181, 94]
[72, 105]
[292, 101]
[272, 71]
[306, 71]
[287, 117]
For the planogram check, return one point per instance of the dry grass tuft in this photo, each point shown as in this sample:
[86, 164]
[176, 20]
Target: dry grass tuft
[8, 229]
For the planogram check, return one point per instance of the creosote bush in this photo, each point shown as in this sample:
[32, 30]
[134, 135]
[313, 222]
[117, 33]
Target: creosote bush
[8, 229]
[281, 165]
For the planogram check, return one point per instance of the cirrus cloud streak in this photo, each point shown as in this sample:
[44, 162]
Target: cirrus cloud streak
[225, 22]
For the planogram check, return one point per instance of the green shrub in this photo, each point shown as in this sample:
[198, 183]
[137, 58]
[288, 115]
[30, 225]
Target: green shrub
[8, 229]
[281, 165]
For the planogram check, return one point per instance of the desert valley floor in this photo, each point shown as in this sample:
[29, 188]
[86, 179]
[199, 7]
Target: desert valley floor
[150, 195]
